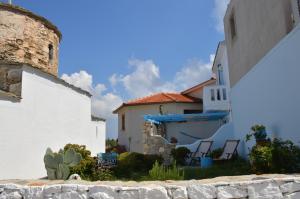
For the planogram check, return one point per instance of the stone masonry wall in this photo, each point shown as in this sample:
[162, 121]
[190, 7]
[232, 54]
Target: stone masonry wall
[11, 79]
[24, 39]
[259, 189]
[156, 144]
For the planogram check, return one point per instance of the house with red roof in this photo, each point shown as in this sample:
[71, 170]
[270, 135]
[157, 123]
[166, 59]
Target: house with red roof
[131, 117]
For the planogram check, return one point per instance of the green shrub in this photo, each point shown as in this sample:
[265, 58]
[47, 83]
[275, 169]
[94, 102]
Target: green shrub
[130, 163]
[285, 157]
[87, 168]
[160, 172]
[180, 155]
[117, 149]
[276, 157]
[216, 153]
[87, 164]
[261, 159]
[102, 175]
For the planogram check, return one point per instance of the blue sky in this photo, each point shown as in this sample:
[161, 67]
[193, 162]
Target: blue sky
[122, 49]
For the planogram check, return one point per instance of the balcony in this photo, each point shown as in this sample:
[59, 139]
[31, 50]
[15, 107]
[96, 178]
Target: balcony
[216, 98]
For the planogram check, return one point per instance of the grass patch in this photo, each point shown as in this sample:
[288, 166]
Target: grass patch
[227, 168]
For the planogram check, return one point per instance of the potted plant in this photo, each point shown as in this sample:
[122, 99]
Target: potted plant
[259, 133]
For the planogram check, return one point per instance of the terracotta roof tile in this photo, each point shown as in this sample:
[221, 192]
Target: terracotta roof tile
[161, 98]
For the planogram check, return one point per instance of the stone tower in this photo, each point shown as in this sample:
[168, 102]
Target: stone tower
[26, 38]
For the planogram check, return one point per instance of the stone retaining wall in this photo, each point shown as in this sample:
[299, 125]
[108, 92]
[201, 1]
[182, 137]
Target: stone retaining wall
[155, 144]
[257, 189]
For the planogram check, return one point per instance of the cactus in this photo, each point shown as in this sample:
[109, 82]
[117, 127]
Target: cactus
[58, 164]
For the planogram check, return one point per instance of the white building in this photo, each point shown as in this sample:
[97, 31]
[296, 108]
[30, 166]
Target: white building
[38, 109]
[260, 68]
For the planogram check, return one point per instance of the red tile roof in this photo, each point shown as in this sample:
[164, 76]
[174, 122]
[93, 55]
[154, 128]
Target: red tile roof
[160, 98]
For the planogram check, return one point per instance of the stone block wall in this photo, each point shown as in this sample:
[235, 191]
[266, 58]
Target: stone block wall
[11, 79]
[26, 38]
[156, 144]
[257, 189]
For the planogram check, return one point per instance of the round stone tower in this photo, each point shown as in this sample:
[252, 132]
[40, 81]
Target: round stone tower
[26, 38]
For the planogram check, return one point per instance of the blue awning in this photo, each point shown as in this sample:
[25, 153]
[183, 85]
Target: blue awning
[209, 116]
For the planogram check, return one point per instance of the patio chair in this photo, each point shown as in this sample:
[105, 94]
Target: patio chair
[229, 150]
[202, 150]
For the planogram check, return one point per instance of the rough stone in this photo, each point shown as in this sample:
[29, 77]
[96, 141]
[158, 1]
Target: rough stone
[264, 190]
[12, 195]
[34, 192]
[109, 190]
[177, 192]
[24, 39]
[201, 191]
[230, 192]
[82, 188]
[292, 196]
[128, 193]
[290, 187]
[100, 196]
[52, 189]
[14, 76]
[16, 89]
[72, 195]
[69, 187]
[153, 193]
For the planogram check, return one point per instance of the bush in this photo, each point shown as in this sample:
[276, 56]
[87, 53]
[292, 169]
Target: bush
[87, 168]
[180, 155]
[276, 157]
[261, 159]
[285, 157]
[117, 149]
[216, 153]
[130, 163]
[160, 172]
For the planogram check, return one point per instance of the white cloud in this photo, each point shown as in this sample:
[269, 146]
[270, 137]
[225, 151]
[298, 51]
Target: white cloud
[142, 81]
[103, 103]
[219, 11]
[145, 78]
[193, 73]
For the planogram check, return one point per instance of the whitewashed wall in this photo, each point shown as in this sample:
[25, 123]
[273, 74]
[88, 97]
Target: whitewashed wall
[199, 129]
[269, 94]
[49, 115]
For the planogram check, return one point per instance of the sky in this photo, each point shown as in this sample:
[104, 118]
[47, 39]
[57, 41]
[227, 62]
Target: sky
[125, 49]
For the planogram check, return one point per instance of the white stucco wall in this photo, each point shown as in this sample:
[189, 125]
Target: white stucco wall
[49, 114]
[219, 138]
[200, 129]
[269, 93]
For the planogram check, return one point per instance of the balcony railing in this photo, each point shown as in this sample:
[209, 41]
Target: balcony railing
[215, 98]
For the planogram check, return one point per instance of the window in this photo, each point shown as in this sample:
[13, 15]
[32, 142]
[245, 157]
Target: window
[224, 94]
[212, 94]
[192, 111]
[218, 95]
[123, 122]
[220, 75]
[50, 48]
[232, 26]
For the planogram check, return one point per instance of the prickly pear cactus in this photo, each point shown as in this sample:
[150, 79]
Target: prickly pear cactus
[58, 164]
